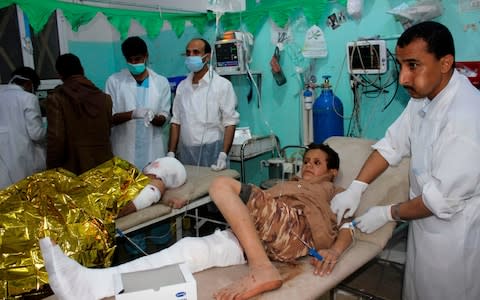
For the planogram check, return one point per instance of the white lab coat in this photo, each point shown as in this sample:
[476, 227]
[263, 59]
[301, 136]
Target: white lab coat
[442, 137]
[123, 89]
[203, 111]
[22, 135]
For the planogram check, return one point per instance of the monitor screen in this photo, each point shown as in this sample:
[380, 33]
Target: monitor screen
[367, 57]
[226, 54]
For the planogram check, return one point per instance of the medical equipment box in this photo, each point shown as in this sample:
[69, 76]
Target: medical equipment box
[173, 282]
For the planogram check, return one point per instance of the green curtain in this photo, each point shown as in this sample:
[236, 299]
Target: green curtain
[38, 12]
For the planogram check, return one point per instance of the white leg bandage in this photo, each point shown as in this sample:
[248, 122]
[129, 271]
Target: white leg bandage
[149, 195]
[219, 249]
[70, 280]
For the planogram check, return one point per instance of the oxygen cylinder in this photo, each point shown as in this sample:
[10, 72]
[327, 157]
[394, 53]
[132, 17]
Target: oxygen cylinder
[327, 114]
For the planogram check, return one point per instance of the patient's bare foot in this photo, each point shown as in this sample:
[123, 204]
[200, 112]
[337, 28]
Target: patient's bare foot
[259, 280]
[175, 202]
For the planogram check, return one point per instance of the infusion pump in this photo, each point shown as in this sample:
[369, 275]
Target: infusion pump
[232, 55]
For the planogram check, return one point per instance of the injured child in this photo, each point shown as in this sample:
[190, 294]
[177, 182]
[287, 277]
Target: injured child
[273, 225]
[77, 211]
[164, 173]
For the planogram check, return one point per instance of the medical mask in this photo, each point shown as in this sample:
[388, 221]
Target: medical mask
[18, 77]
[136, 69]
[194, 63]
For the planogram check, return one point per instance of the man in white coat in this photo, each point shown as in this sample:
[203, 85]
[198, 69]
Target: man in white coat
[22, 133]
[141, 106]
[440, 131]
[204, 112]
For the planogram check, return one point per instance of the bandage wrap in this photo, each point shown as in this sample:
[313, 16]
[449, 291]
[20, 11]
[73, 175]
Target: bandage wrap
[169, 170]
[149, 195]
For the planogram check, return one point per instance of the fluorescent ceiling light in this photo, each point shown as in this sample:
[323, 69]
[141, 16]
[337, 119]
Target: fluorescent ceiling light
[196, 6]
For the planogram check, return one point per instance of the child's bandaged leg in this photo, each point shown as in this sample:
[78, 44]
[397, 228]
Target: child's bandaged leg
[219, 249]
[149, 195]
[70, 280]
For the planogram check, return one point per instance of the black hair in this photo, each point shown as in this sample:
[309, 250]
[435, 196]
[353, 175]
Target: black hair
[133, 46]
[68, 65]
[208, 48]
[333, 160]
[26, 72]
[437, 36]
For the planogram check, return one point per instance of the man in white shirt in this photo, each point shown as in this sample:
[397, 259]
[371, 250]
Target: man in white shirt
[204, 112]
[141, 106]
[440, 131]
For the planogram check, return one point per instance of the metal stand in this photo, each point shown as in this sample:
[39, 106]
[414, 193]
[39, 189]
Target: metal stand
[251, 148]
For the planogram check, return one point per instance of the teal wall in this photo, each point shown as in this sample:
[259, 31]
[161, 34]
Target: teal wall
[98, 64]
[280, 107]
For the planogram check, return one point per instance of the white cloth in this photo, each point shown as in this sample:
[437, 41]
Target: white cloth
[442, 137]
[314, 45]
[22, 135]
[125, 96]
[354, 8]
[204, 111]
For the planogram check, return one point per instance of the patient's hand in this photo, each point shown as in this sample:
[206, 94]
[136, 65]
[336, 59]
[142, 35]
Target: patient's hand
[127, 209]
[175, 202]
[326, 265]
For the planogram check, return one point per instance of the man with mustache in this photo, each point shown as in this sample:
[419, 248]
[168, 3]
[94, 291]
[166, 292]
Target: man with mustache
[440, 131]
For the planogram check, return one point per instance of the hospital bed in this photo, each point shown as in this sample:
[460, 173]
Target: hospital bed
[299, 282]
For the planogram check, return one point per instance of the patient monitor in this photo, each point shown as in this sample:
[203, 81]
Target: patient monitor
[367, 57]
[232, 53]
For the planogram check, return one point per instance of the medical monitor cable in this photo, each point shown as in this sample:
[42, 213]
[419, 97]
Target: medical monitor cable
[123, 235]
[210, 75]
[218, 15]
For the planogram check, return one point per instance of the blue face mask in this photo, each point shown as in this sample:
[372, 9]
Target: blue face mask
[136, 69]
[194, 63]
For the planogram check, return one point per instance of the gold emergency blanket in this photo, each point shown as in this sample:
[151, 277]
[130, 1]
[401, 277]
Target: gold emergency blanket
[77, 212]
